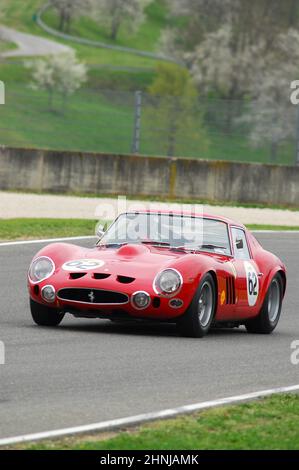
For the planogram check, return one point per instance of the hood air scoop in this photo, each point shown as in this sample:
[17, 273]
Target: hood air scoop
[132, 250]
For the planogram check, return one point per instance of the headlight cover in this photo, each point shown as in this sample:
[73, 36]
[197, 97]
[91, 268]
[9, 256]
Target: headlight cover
[41, 268]
[168, 282]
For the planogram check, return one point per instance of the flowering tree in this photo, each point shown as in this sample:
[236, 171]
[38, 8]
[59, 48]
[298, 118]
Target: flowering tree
[117, 12]
[62, 74]
[223, 39]
[271, 116]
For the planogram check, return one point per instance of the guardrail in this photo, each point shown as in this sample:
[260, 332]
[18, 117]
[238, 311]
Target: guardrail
[90, 42]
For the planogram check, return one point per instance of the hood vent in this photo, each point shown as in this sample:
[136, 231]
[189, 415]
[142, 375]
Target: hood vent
[125, 279]
[77, 275]
[101, 276]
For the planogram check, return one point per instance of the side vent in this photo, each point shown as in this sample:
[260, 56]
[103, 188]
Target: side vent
[230, 291]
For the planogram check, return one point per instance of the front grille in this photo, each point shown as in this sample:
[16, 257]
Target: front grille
[93, 296]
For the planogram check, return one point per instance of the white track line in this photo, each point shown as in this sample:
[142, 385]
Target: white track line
[143, 418]
[50, 240]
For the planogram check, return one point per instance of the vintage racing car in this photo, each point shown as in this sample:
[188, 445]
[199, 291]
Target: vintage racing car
[194, 270]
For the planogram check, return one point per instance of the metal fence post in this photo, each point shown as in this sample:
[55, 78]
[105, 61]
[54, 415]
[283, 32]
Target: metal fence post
[297, 136]
[137, 123]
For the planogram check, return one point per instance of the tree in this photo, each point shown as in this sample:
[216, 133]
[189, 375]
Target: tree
[62, 74]
[230, 36]
[117, 12]
[271, 115]
[174, 112]
[68, 9]
[206, 16]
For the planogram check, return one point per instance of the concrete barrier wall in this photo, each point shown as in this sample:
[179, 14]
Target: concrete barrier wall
[61, 172]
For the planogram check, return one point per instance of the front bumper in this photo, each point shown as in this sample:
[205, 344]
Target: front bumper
[108, 300]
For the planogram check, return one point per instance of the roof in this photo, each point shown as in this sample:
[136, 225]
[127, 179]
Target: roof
[182, 213]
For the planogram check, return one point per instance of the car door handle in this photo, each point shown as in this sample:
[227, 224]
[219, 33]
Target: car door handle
[260, 274]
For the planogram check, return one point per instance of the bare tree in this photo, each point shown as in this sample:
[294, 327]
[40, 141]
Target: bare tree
[117, 12]
[68, 9]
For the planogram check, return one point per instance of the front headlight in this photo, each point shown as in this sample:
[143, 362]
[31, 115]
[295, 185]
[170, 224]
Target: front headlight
[168, 282]
[41, 268]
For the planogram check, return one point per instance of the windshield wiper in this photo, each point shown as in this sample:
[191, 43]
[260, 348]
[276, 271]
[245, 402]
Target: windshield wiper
[212, 247]
[155, 243]
[113, 245]
[198, 248]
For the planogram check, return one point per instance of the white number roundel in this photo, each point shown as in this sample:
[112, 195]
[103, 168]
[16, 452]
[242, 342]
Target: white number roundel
[252, 284]
[82, 265]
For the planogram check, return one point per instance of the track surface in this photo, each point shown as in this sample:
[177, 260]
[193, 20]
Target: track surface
[89, 370]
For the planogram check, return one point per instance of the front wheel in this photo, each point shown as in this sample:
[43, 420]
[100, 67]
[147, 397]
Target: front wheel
[198, 318]
[269, 315]
[45, 316]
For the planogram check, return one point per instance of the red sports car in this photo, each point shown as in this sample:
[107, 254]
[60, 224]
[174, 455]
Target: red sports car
[194, 270]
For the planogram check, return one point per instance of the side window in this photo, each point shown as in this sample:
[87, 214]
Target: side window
[240, 244]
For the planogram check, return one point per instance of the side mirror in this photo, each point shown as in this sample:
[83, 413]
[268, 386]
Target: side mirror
[239, 244]
[101, 229]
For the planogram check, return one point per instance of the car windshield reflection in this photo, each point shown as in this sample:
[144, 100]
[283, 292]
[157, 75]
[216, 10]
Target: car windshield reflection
[178, 232]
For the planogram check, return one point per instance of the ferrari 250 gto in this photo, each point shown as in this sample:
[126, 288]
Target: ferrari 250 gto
[198, 271]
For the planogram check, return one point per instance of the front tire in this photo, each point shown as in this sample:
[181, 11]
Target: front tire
[198, 318]
[45, 316]
[268, 318]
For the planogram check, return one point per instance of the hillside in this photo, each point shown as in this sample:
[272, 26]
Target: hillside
[99, 121]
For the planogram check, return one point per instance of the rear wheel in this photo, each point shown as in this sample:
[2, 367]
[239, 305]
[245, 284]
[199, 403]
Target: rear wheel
[269, 315]
[198, 318]
[45, 316]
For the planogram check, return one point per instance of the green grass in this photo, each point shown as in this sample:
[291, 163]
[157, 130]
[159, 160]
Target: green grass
[93, 122]
[99, 122]
[277, 228]
[19, 15]
[145, 39]
[26, 229]
[108, 68]
[6, 46]
[270, 424]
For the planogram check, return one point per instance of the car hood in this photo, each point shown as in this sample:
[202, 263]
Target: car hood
[134, 260]
[142, 261]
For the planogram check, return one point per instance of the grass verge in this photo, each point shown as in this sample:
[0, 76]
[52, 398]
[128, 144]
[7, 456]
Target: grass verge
[268, 424]
[26, 229]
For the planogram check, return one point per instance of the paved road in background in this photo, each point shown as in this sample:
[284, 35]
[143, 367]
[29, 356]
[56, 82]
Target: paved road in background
[13, 205]
[29, 44]
[87, 371]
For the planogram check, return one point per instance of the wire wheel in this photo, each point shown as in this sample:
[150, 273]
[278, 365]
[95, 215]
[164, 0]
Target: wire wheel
[274, 300]
[205, 304]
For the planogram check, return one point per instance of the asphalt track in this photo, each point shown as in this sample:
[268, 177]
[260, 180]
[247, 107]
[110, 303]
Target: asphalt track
[89, 371]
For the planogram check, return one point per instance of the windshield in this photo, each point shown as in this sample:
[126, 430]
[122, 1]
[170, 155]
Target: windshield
[175, 231]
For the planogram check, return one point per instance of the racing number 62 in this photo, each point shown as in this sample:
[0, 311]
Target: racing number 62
[252, 283]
